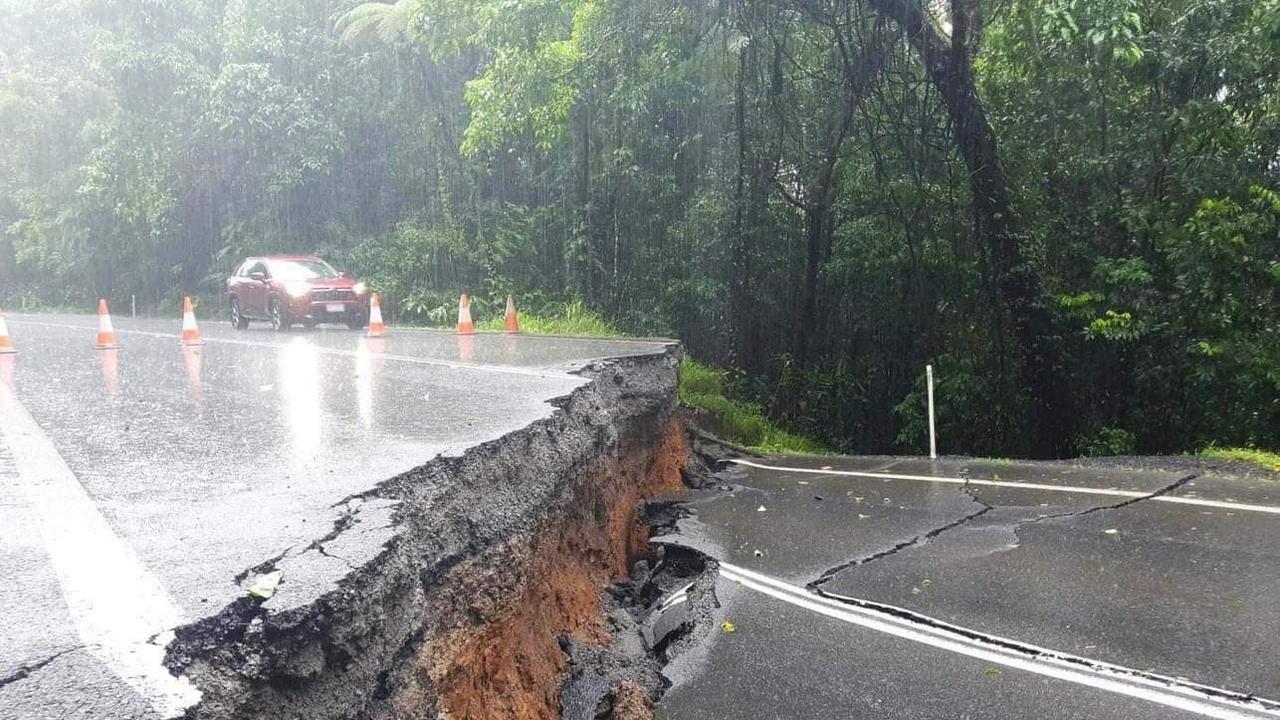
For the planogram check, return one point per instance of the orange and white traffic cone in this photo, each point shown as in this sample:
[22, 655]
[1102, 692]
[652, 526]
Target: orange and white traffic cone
[106, 333]
[465, 326]
[190, 333]
[376, 328]
[6, 342]
[513, 323]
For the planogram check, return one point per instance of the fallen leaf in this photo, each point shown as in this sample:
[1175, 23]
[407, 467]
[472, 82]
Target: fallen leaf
[265, 585]
[992, 671]
[727, 626]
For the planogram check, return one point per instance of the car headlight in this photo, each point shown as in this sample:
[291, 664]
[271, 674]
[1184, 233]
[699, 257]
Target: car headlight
[297, 289]
[359, 288]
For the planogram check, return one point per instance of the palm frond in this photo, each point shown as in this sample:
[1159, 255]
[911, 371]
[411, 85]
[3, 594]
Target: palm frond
[375, 22]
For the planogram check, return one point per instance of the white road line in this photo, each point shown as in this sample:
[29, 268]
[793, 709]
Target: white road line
[1190, 697]
[504, 369]
[116, 604]
[1112, 492]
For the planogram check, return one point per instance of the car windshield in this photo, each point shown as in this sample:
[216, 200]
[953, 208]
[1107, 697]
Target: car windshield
[301, 269]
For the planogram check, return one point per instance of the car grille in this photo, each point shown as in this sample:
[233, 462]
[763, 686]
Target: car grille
[331, 294]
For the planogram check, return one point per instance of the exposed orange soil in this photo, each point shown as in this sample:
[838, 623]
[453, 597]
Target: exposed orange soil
[505, 662]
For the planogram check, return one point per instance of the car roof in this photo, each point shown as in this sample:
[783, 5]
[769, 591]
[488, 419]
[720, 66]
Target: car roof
[291, 257]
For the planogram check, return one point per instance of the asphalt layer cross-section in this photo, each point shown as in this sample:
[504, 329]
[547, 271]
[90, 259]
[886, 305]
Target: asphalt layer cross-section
[1178, 590]
[186, 467]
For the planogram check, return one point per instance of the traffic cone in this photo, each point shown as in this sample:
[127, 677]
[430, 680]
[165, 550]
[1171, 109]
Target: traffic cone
[106, 333]
[190, 333]
[376, 328]
[513, 323]
[6, 343]
[465, 326]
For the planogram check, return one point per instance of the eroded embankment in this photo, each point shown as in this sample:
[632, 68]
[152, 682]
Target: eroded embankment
[491, 583]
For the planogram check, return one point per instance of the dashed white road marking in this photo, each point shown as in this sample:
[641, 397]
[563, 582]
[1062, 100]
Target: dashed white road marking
[456, 365]
[117, 605]
[1190, 697]
[1113, 492]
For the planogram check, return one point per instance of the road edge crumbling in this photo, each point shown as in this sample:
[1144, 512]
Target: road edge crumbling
[492, 573]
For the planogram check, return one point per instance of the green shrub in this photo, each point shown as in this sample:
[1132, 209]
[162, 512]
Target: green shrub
[703, 389]
[556, 318]
[1262, 458]
[1107, 441]
[699, 379]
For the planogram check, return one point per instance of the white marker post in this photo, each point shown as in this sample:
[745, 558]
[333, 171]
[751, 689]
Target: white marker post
[133, 306]
[933, 438]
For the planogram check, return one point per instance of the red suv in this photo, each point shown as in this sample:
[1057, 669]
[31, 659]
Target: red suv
[288, 289]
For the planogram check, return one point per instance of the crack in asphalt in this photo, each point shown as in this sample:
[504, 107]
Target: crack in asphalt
[969, 490]
[325, 552]
[917, 540]
[263, 567]
[26, 670]
[1114, 506]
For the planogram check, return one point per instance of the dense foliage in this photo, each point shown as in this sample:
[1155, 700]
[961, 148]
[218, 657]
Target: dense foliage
[1069, 207]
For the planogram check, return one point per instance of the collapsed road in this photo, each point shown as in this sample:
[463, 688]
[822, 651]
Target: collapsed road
[323, 525]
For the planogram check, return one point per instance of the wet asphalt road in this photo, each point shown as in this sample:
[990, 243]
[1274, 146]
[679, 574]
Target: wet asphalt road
[1158, 586]
[140, 483]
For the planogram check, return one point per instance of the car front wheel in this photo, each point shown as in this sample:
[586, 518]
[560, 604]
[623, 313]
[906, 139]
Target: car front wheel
[238, 320]
[280, 321]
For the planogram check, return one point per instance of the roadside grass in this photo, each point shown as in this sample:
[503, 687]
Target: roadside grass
[704, 390]
[567, 318]
[1261, 458]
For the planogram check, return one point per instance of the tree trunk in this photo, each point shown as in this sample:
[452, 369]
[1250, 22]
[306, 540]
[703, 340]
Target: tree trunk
[859, 74]
[583, 260]
[950, 70]
[743, 245]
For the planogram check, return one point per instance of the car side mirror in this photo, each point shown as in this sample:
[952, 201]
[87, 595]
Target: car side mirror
[257, 276]
[342, 273]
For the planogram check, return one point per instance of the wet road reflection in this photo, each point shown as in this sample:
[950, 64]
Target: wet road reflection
[298, 381]
[8, 368]
[466, 347]
[192, 359]
[366, 367]
[110, 362]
